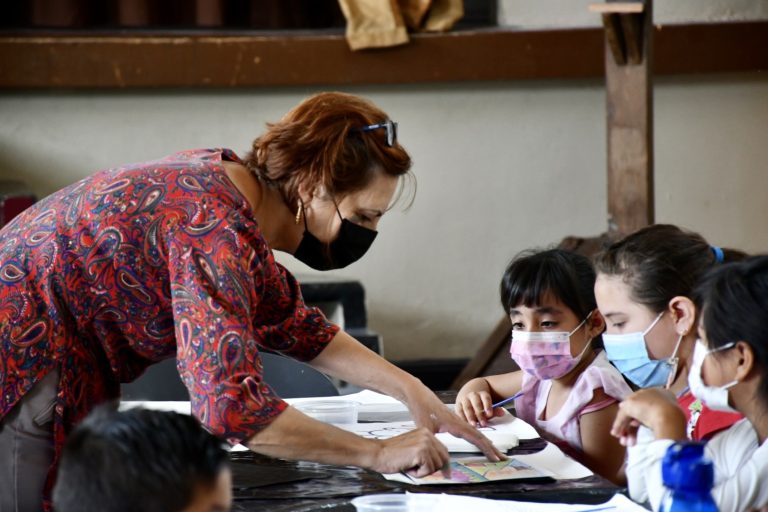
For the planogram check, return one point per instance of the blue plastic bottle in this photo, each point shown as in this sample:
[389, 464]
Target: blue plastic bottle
[688, 476]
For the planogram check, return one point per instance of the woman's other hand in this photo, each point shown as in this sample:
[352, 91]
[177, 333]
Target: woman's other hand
[417, 452]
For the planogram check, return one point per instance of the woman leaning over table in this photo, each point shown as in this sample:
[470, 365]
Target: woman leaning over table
[173, 257]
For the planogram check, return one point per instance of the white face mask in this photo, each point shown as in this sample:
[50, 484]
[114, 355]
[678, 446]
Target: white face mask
[716, 398]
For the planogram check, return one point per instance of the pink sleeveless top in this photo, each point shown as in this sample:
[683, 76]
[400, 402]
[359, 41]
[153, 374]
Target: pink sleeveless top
[563, 428]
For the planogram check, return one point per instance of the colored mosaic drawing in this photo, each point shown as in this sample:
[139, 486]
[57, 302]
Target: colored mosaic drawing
[479, 469]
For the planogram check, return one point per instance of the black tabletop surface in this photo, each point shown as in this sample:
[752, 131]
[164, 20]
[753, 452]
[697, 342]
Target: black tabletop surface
[264, 483]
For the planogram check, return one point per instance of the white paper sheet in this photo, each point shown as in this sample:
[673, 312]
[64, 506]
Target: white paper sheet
[502, 439]
[372, 406]
[504, 432]
[552, 459]
[365, 397]
[455, 503]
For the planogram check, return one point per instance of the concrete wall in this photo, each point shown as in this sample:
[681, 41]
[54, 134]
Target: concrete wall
[575, 13]
[500, 168]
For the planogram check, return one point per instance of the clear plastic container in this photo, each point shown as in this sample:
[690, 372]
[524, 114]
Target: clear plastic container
[382, 503]
[330, 411]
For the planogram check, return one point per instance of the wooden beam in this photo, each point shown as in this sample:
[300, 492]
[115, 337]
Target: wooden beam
[710, 48]
[614, 38]
[632, 28]
[301, 59]
[629, 92]
[618, 7]
[211, 59]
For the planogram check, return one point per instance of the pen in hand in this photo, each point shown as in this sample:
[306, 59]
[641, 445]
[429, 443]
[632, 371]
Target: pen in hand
[507, 400]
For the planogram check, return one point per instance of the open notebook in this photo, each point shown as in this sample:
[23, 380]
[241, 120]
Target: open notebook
[501, 433]
[504, 432]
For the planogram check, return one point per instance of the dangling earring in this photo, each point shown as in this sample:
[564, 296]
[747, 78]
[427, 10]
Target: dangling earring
[298, 213]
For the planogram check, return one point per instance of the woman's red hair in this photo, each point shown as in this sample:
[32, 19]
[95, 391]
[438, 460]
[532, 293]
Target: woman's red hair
[319, 143]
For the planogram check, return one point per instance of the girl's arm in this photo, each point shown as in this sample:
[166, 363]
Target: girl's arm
[476, 397]
[741, 468]
[644, 416]
[655, 408]
[603, 453]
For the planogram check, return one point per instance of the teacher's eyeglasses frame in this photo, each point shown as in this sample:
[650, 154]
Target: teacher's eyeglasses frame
[389, 125]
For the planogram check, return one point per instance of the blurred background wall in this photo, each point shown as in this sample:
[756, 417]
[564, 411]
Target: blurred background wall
[500, 167]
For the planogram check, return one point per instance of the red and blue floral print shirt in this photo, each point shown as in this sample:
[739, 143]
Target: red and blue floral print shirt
[141, 263]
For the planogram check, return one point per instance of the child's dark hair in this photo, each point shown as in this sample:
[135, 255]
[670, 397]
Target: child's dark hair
[661, 262]
[138, 459]
[565, 275]
[734, 301]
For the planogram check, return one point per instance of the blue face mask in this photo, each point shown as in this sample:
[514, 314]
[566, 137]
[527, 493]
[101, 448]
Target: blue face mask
[629, 354]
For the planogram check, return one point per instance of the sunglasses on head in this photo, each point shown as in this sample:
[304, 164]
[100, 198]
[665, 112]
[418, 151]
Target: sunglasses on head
[390, 126]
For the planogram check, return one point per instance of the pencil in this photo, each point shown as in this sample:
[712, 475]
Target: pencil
[507, 400]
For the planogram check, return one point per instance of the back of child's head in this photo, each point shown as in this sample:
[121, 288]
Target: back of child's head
[734, 303]
[563, 275]
[138, 459]
[661, 262]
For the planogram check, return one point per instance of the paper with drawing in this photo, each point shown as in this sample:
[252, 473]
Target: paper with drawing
[476, 470]
[503, 432]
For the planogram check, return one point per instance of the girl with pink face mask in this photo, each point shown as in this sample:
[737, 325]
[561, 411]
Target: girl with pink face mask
[568, 389]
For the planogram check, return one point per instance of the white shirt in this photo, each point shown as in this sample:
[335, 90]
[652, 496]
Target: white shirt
[741, 469]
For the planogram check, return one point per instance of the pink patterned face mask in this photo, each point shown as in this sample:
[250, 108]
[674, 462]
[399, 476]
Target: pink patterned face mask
[545, 355]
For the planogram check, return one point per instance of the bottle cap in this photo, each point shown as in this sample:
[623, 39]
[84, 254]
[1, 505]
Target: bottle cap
[686, 468]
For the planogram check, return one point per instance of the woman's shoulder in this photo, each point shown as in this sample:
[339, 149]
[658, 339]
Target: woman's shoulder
[196, 162]
[191, 186]
[198, 173]
[203, 155]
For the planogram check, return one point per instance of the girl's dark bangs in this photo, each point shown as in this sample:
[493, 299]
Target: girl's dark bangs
[530, 285]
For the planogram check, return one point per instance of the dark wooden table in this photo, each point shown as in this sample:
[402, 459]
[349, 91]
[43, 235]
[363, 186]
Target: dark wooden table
[264, 483]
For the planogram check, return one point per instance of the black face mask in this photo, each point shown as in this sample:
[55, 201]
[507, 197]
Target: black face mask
[349, 245]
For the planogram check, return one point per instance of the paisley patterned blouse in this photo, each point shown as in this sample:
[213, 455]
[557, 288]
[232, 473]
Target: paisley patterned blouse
[140, 263]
